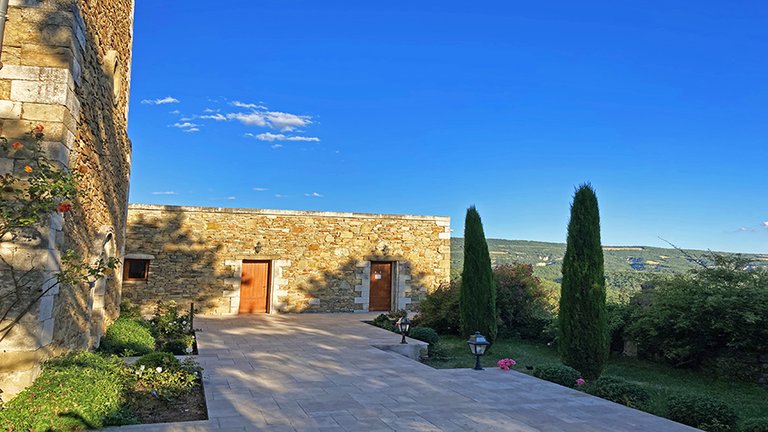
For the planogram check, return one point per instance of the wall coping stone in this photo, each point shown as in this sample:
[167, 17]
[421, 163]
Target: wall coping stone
[269, 212]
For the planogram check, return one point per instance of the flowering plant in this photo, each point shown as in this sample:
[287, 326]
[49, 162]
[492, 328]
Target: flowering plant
[170, 382]
[28, 197]
[580, 381]
[506, 363]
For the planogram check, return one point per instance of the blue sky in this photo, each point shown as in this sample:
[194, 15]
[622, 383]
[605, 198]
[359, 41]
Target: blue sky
[428, 107]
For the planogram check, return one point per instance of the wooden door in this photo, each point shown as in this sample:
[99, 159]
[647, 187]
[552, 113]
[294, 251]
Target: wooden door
[254, 287]
[381, 286]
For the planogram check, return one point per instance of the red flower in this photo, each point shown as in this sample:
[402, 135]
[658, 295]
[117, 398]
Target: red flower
[64, 207]
[39, 128]
[17, 145]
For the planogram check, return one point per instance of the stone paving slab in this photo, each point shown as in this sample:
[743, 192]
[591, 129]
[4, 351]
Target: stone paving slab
[319, 372]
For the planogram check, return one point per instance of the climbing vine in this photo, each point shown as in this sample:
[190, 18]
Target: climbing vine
[28, 197]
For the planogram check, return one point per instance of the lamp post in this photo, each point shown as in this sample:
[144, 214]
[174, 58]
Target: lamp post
[404, 324]
[477, 344]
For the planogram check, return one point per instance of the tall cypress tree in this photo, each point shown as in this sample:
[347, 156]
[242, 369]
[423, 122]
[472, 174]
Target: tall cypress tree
[583, 341]
[477, 298]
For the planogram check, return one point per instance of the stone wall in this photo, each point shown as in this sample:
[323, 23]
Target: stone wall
[66, 65]
[320, 261]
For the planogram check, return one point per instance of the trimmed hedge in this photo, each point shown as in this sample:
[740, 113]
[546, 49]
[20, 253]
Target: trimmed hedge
[73, 392]
[706, 413]
[558, 374]
[127, 335]
[619, 391]
[425, 334]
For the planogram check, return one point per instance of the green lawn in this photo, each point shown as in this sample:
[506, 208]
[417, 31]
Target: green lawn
[749, 400]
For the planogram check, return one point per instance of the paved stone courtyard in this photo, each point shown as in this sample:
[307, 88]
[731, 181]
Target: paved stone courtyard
[319, 372]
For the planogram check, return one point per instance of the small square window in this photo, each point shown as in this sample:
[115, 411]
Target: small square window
[135, 269]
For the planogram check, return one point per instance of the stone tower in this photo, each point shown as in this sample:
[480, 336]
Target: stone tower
[67, 66]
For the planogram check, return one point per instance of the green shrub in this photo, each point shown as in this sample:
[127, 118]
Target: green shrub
[130, 311]
[440, 309]
[618, 316]
[583, 338]
[396, 315]
[715, 312]
[705, 413]
[477, 297]
[73, 392]
[558, 374]
[127, 335]
[164, 360]
[438, 351]
[175, 346]
[619, 391]
[755, 425]
[384, 322]
[521, 301]
[170, 322]
[425, 334]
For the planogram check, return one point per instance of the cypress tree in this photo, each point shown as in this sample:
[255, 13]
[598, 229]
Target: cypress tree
[477, 297]
[583, 341]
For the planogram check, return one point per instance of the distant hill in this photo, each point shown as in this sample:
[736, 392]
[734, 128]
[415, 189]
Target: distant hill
[626, 267]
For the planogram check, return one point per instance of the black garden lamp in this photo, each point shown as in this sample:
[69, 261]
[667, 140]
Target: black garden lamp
[477, 344]
[404, 324]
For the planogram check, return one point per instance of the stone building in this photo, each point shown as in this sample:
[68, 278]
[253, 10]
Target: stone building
[230, 261]
[66, 65]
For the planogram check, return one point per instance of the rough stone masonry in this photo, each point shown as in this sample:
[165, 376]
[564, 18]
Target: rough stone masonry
[67, 66]
[320, 261]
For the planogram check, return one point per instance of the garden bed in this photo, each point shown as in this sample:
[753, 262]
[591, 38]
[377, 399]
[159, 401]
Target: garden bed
[110, 387]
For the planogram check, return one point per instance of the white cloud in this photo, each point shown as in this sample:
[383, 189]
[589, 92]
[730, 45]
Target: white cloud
[231, 198]
[249, 119]
[161, 101]
[217, 117]
[164, 193]
[260, 189]
[765, 224]
[281, 196]
[186, 126]
[287, 122]
[185, 119]
[313, 195]
[276, 145]
[247, 105]
[174, 112]
[210, 110]
[267, 136]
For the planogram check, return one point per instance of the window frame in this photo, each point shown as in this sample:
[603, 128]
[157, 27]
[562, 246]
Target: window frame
[127, 262]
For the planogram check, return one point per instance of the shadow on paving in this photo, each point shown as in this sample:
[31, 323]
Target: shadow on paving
[319, 372]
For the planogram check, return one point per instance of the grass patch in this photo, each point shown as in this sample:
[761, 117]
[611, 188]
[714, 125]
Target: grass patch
[660, 381]
[89, 391]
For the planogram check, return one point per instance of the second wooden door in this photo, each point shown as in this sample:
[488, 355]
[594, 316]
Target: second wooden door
[381, 286]
[254, 287]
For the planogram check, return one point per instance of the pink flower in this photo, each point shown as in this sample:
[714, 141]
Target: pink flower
[580, 381]
[505, 364]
